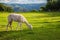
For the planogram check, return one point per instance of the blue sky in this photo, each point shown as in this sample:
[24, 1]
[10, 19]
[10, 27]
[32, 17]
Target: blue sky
[23, 1]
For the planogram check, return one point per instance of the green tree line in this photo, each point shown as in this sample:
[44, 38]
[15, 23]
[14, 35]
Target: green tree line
[5, 8]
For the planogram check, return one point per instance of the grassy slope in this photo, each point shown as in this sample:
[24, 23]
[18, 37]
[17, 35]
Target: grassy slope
[46, 26]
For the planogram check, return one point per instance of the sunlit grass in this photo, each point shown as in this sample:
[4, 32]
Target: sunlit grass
[36, 19]
[46, 26]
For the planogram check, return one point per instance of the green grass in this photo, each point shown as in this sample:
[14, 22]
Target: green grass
[46, 26]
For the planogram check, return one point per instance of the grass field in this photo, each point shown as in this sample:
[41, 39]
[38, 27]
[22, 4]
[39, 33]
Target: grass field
[46, 26]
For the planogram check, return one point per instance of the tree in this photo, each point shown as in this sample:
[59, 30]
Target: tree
[42, 9]
[34, 10]
[53, 5]
[9, 9]
[3, 7]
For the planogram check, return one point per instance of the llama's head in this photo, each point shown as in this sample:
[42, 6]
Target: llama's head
[30, 26]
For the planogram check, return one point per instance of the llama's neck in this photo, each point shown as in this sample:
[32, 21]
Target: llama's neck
[26, 23]
[29, 26]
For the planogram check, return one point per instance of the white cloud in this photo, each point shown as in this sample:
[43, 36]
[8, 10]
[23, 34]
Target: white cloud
[4, 1]
[23, 1]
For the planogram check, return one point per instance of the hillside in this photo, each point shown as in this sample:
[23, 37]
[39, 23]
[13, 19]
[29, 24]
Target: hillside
[26, 7]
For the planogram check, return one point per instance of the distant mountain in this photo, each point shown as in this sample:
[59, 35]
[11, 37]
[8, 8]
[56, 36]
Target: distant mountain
[26, 7]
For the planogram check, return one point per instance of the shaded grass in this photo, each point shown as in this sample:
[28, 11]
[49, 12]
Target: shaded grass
[36, 34]
[46, 26]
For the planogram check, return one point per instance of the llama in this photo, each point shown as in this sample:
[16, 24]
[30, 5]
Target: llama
[17, 18]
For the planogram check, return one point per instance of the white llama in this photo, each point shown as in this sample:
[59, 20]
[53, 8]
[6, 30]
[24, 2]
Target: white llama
[17, 18]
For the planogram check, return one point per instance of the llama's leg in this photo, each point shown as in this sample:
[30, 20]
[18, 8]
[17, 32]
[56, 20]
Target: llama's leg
[10, 25]
[17, 26]
[7, 26]
[20, 26]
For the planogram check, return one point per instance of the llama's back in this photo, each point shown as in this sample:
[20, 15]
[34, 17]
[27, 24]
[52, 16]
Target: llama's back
[16, 17]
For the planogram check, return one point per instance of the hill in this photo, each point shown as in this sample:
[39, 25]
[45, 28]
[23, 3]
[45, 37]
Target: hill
[26, 7]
